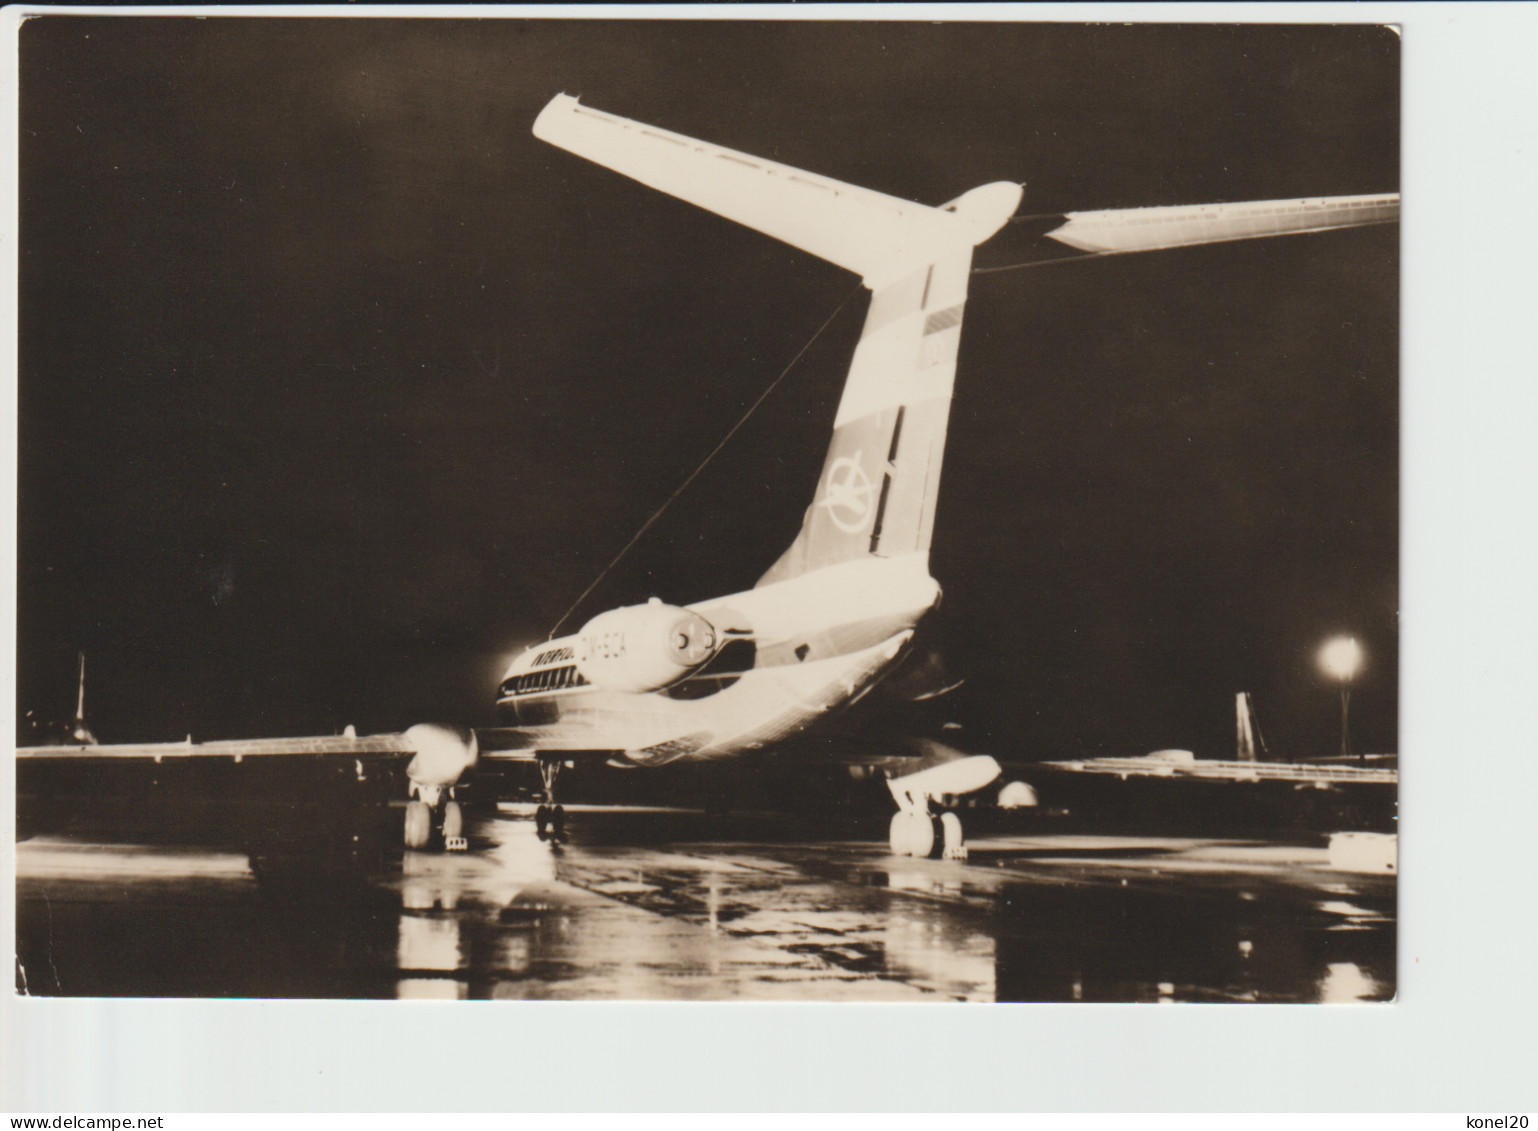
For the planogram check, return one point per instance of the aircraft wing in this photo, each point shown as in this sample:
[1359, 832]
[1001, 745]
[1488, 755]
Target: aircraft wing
[1120, 230]
[236, 750]
[527, 744]
[1215, 770]
[496, 743]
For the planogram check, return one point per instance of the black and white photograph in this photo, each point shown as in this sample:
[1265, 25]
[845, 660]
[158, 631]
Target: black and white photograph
[708, 510]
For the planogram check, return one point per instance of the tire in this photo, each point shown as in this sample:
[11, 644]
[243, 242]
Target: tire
[419, 824]
[542, 821]
[898, 834]
[453, 820]
[557, 822]
[921, 834]
[950, 832]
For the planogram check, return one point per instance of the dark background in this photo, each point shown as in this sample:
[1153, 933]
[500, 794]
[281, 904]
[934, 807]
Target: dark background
[337, 387]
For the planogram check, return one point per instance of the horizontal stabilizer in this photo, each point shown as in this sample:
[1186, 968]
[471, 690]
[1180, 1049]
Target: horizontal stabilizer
[875, 235]
[1151, 229]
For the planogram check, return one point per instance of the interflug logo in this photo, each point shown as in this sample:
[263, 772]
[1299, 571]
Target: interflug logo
[848, 494]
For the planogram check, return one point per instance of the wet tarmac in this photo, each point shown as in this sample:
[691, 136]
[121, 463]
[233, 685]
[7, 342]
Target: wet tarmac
[651, 904]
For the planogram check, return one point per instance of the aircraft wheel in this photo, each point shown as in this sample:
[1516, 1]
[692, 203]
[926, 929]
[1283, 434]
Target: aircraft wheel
[453, 820]
[557, 822]
[921, 835]
[953, 844]
[898, 834]
[419, 824]
[936, 838]
[542, 821]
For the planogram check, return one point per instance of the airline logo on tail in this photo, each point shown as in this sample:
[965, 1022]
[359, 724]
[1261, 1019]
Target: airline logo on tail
[850, 494]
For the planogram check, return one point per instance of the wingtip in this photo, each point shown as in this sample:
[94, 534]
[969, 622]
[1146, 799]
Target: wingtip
[560, 104]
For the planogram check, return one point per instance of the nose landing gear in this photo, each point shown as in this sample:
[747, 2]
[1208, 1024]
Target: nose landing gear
[917, 832]
[916, 829]
[550, 818]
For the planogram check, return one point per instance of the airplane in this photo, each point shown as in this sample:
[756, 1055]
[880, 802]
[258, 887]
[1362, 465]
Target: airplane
[659, 683]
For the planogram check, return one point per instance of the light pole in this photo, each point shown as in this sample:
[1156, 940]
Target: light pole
[1340, 658]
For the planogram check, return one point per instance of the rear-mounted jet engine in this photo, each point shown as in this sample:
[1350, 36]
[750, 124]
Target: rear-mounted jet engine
[644, 647]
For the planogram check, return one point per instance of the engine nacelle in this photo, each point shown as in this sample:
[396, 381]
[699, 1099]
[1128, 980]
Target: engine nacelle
[644, 647]
[442, 756]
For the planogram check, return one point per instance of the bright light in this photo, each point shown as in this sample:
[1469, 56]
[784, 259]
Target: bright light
[1340, 658]
[1345, 981]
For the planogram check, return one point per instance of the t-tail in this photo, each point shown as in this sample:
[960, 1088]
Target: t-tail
[876, 497]
[881, 476]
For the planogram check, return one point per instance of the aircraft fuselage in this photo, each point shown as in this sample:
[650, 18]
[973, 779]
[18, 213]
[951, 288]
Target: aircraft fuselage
[778, 657]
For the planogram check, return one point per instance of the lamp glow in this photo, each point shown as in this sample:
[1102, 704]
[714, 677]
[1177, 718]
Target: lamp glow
[1340, 658]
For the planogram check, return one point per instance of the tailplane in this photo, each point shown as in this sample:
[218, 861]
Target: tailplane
[879, 237]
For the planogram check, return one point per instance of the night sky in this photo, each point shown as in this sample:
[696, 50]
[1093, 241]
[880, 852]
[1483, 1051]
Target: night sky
[337, 387]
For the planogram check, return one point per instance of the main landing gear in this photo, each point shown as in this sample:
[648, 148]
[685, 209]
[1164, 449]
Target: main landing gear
[916, 830]
[433, 808]
[550, 818]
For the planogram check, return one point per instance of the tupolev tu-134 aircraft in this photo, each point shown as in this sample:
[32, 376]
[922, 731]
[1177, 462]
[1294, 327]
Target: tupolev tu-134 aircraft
[647, 685]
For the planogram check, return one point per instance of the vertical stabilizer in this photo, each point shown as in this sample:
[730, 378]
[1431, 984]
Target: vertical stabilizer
[881, 476]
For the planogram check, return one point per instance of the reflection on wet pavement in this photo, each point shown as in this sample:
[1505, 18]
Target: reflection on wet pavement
[654, 905]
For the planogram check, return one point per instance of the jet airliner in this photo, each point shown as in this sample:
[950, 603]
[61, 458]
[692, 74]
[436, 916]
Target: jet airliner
[659, 683]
